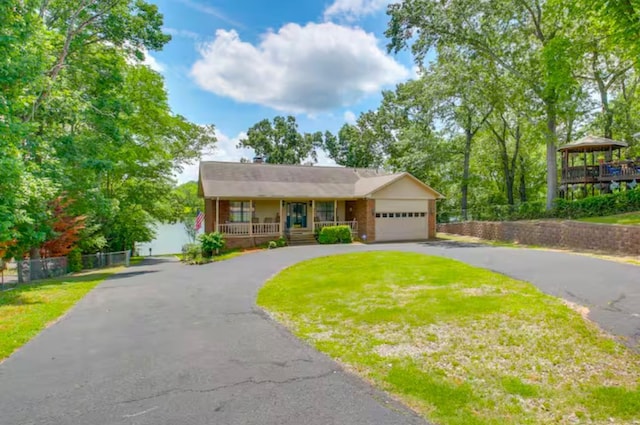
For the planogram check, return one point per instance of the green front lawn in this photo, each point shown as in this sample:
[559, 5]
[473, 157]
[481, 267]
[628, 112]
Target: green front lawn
[625, 219]
[28, 309]
[459, 344]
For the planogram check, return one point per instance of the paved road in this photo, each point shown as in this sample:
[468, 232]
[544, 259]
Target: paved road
[164, 343]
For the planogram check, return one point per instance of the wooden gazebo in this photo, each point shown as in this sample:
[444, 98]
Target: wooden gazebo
[596, 163]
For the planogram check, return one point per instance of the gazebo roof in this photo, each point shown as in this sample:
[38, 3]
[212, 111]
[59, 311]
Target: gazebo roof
[592, 144]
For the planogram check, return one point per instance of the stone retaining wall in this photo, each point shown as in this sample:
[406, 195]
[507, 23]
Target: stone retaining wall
[576, 235]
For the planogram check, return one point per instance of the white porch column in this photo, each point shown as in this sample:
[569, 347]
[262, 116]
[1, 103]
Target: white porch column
[313, 215]
[335, 212]
[281, 218]
[251, 218]
[217, 214]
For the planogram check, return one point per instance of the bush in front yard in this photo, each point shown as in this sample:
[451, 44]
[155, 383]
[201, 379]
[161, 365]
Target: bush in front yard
[211, 242]
[191, 252]
[335, 234]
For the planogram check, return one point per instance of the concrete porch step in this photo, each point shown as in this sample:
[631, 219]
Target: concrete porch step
[299, 238]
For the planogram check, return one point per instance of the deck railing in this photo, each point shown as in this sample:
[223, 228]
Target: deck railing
[246, 229]
[625, 171]
[320, 224]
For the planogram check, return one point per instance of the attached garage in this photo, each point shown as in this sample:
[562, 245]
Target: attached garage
[402, 210]
[401, 220]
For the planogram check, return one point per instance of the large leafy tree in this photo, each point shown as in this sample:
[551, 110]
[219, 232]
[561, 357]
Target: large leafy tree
[528, 38]
[359, 145]
[280, 142]
[85, 119]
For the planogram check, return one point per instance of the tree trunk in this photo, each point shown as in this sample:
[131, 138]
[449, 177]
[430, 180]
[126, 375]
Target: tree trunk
[465, 173]
[34, 253]
[607, 127]
[552, 160]
[523, 181]
[509, 182]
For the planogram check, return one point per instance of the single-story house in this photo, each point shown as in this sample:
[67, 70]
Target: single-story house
[253, 203]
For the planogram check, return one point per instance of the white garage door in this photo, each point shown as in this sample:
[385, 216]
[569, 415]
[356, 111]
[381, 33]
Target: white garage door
[401, 226]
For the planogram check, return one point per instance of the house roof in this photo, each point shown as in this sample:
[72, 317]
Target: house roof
[251, 180]
[592, 144]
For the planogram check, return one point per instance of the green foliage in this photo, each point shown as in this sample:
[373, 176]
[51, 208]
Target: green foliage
[211, 243]
[82, 116]
[335, 235]
[272, 245]
[282, 242]
[359, 145]
[280, 142]
[191, 252]
[593, 206]
[74, 260]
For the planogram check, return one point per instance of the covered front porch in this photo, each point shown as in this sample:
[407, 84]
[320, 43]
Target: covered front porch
[236, 218]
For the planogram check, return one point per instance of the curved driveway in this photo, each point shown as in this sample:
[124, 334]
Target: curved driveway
[164, 343]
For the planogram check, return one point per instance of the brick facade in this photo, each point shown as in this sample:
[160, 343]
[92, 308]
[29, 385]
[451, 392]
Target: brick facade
[248, 242]
[606, 238]
[364, 213]
[210, 214]
[431, 218]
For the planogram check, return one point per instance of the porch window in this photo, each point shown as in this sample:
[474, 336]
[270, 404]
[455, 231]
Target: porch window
[240, 212]
[324, 211]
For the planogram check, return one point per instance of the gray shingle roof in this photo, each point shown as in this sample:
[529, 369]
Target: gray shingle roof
[249, 180]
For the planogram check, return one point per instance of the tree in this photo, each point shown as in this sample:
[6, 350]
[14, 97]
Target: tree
[65, 228]
[280, 142]
[81, 116]
[358, 145]
[528, 38]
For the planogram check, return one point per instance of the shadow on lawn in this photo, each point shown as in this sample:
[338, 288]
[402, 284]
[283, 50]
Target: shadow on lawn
[15, 298]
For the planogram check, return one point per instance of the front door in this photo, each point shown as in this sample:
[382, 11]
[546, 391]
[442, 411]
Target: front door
[297, 215]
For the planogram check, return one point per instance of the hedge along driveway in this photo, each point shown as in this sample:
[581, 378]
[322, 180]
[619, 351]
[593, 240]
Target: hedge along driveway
[460, 344]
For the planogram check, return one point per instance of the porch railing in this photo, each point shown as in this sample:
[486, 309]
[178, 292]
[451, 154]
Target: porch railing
[242, 229]
[266, 228]
[320, 224]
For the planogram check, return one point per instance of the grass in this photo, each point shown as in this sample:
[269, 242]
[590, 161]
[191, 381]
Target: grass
[28, 309]
[133, 261]
[459, 344]
[629, 219]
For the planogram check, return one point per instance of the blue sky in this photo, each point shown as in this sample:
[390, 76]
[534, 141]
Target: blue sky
[232, 63]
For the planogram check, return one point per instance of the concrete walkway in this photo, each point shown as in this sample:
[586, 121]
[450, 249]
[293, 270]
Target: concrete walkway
[164, 343]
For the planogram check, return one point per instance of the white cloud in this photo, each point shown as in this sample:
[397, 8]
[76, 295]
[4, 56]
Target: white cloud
[350, 117]
[225, 150]
[354, 9]
[153, 63]
[299, 69]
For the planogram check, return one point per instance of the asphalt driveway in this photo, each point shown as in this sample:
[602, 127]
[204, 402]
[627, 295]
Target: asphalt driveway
[164, 343]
